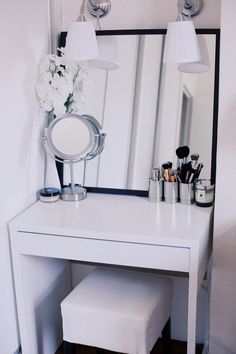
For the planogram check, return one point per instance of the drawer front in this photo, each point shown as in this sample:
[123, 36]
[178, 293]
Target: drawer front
[103, 251]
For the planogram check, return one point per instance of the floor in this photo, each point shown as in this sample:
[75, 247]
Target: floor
[176, 348]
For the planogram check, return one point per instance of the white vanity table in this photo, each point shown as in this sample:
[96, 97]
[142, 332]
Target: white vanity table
[109, 229]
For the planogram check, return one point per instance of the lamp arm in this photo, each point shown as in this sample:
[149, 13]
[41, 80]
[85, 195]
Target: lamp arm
[81, 17]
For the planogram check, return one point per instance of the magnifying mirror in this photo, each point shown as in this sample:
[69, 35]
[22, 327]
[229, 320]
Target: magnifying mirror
[70, 139]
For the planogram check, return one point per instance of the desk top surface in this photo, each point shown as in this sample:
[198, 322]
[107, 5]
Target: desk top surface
[118, 218]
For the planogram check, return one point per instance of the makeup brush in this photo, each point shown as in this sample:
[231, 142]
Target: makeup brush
[200, 166]
[172, 175]
[194, 167]
[182, 153]
[194, 160]
[195, 173]
[166, 168]
[178, 175]
[186, 172]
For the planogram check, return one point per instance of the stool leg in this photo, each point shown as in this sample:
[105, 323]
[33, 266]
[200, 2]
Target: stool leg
[166, 336]
[68, 347]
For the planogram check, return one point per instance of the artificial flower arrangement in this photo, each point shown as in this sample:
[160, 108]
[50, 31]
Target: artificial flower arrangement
[61, 85]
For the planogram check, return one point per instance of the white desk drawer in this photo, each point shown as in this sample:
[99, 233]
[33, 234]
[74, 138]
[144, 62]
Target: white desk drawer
[102, 251]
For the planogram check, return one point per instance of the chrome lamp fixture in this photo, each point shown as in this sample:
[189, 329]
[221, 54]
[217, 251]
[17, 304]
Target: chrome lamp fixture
[99, 8]
[181, 45]
[81, 43]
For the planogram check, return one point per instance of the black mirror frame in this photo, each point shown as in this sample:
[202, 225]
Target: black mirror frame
[216, 32]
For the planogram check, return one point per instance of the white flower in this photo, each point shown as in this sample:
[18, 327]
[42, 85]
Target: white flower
[61, 85]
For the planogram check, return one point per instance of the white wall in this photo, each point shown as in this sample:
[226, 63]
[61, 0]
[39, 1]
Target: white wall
[223, 308]
[24, 37]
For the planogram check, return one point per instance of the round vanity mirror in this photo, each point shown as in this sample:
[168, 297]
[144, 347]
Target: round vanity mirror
[74, 146]
[70, 139]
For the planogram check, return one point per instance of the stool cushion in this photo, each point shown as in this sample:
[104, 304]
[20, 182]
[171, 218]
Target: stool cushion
[118, 310]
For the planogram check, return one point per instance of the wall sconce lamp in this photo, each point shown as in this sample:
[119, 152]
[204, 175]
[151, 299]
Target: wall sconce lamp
[81, 42]
[181, 44]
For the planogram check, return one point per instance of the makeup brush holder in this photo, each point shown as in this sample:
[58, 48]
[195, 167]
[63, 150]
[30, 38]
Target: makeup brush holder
[186, 193]
[170, 192]
[155, 192]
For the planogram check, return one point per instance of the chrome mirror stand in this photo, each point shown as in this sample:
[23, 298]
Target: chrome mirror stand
[58, 140]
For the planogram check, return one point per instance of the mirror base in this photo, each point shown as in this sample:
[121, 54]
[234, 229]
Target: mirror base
[67, 195]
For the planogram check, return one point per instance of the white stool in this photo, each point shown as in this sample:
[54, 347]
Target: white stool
[119, 310]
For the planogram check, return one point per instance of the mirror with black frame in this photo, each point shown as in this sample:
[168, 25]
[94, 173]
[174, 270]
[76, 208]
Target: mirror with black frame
[148, 109]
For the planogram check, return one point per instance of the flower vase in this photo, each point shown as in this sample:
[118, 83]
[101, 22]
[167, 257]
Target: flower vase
[50, 116]
[51, 177]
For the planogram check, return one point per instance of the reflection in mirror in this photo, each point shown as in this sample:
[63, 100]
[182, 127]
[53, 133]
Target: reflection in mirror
[185, 115]
[148, 109]
[80, 134]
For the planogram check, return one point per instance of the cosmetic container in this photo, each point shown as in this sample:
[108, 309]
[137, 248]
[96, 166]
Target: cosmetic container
[49, 195]
[204, 193]
[186, 193]
[155, 192]
[170, 192]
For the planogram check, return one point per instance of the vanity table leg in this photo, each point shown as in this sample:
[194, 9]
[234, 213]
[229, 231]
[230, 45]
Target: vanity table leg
[40, 284]
[192, 306]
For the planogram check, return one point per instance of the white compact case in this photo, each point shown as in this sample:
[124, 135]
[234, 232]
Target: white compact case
[204, 193]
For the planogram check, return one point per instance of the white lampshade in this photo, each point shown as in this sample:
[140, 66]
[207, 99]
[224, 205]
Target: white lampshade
[108, 53]
[81, 42]
[181, 43]
[198, 66]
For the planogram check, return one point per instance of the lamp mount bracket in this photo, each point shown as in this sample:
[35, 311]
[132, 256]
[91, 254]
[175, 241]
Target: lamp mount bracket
[190, 8]
[99, 8]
